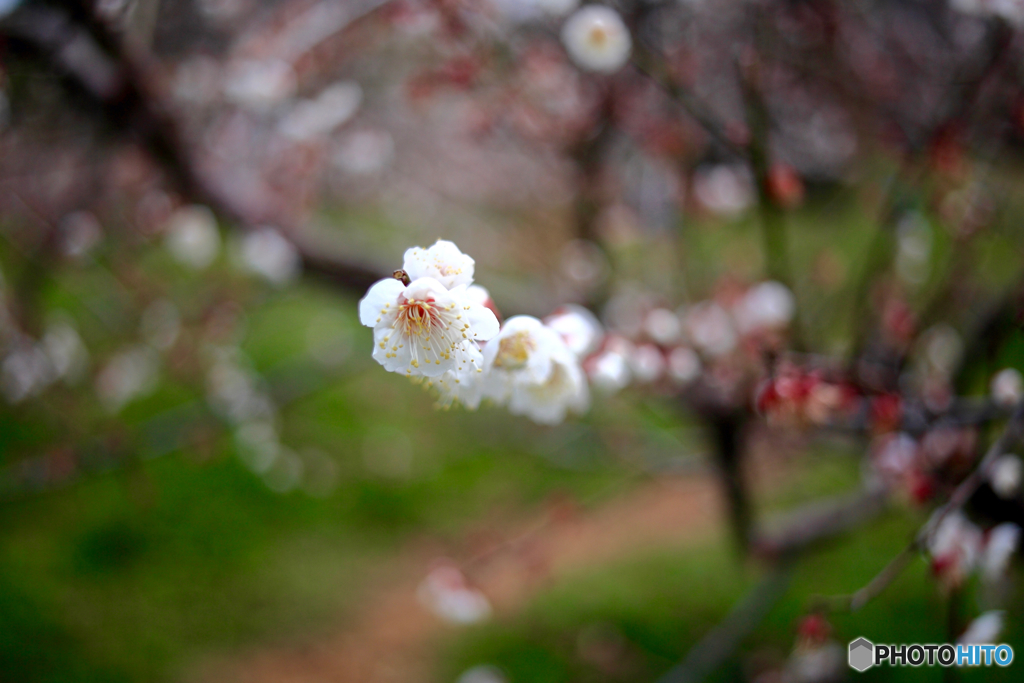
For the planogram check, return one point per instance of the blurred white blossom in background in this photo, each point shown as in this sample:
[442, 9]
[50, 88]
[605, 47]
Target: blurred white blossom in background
[596, 39]
[768, 305]
[192, 236]
[1007, 387]
[317, 117]
[448, 594]
[259, 85]
[984, 630]
[128, 375]
[483, 673]
[267, 253]
[1005, 475]
[725, 190]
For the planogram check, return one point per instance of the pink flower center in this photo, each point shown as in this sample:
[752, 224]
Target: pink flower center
[417, 318]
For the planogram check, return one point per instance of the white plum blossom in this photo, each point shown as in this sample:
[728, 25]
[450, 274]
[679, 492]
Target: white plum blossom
[609, 371]
[768, 305]
[1005, 475]
[443, 262]
[80, 232]
[983, 630]
[423, 328]
[233, 389]
[915, 238]
[364, 152]
[1007, 387]
[894, 456]
[826, 662]
[482, 673]
[663, 326]
[197, 81]
[192, 236]
[943, 348]
[955, 546]
[579, 328]
[128, 375]
[684, 364]
[447, 593]
[1001, 544]
[647, 363]
[259, 85]
[596, 39]
[531, 368]
[67, 353]
[26, 372]
[266, 253]
[711, 329]
[725, 190]
[312, 119]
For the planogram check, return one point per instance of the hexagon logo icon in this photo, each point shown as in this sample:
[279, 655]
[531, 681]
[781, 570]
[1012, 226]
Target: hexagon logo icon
[862, 654]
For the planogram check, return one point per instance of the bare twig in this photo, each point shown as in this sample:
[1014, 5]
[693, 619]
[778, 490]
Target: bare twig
[1010, 436]
[723, 640]
[651, 66]
[119, 80]
[822, 520]
[873, 588]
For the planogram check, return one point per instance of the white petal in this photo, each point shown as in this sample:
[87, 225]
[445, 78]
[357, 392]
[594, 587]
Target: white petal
[579, 328]
[381, 297]
[999, 549]
[477, 294]
[443, 262]
[550, 348]
[548, 402]
[426, 288]
[983, 630]
[482, 322]
[390, 349]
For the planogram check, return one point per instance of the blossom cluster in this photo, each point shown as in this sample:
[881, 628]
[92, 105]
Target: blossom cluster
[432, 324]
[959, 549]
[920, 451]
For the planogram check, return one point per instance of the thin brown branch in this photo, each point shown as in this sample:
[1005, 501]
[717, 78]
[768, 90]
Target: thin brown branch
[963, 492]
[722, 641]
[120, 80]
[652, 67]
[820, 521]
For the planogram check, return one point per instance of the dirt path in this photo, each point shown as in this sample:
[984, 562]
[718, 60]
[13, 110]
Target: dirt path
[391, 638]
